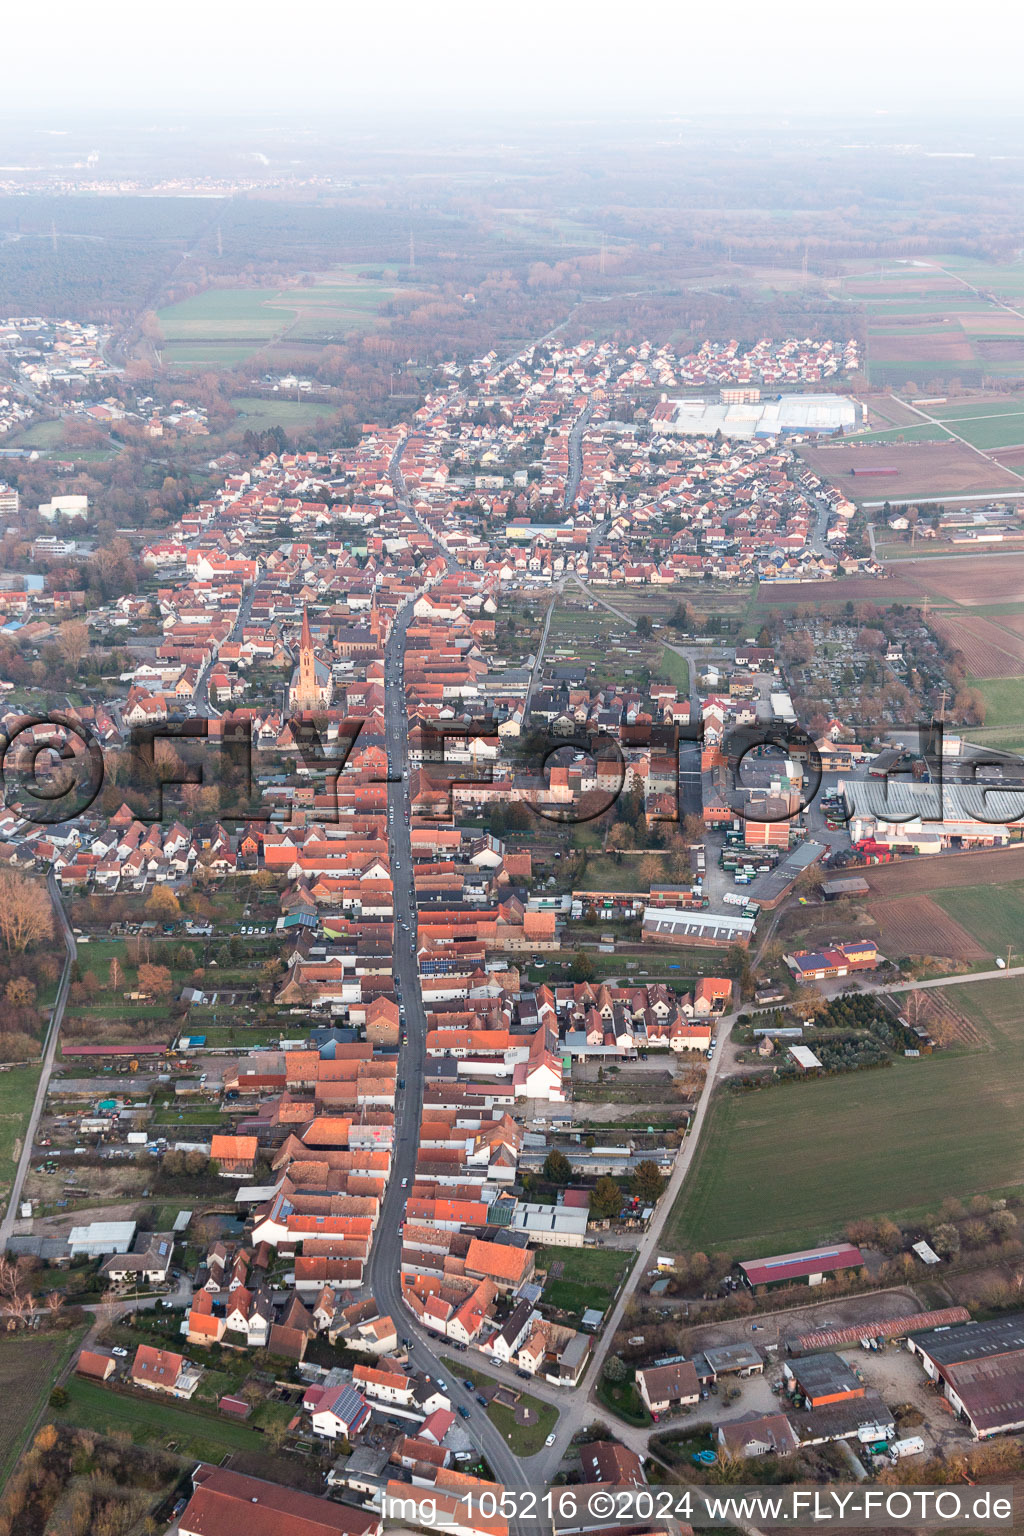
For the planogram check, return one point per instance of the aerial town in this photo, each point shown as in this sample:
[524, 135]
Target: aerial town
[510, 866]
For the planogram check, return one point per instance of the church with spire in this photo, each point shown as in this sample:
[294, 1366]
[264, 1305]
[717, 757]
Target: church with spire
[312, 685]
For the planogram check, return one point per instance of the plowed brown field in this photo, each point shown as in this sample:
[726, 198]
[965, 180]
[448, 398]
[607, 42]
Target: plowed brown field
[916, 925]
[945, 870]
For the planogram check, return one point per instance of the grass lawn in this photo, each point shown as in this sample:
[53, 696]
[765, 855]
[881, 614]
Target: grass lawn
[787, 1167]
[29, 1364]
[259, 415]
[524, 1439]
[589, 1277]
[1004, 700]
[993, 914]
[17, 1091]
[624, 1400]
[604, 873]
[207, 1436]
[676, 669]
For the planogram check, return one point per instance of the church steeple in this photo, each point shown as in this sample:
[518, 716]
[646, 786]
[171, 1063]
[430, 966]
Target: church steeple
[306, 641]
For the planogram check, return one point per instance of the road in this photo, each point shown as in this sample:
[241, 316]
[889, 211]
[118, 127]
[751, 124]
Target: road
[383, 1271]
[49, 1055]
[572, 483]
[201, 692]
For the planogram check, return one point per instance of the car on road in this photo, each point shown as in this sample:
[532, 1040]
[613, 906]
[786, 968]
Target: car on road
[710, 1054]
[463, 1412]
[481, 1400]
[550, 1440]
[470, 1386]
[120, 1351]
[405, 1183]
[442, 1385]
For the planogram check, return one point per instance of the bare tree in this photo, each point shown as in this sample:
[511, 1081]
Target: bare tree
[26, 916]
[73, 641]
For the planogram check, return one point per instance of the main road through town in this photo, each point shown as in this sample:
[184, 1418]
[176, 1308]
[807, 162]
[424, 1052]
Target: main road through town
[385, 1263]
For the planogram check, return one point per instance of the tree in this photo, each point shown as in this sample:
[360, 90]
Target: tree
[647, 1182]
[116, 975]
[156, 980]
[557, 1168]
[163, 903]
[581, 967]
[20, 992]
[26, 916]
[643, 626]
[606, 1200]
[615, 1369]
[73, 641]
[694, 829]
[945, 1239]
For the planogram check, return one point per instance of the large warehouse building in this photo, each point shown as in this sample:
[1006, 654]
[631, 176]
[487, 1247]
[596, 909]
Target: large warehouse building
[981, 1368]
[783, 416]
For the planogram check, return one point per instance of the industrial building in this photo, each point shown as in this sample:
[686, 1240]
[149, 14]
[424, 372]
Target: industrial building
[783, 416]
[670, 925]
[99, 1238]
[809, 1264]
[981, 1369]
[903, 814]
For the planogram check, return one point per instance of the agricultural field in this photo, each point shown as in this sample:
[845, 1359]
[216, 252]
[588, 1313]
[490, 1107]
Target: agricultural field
[922, 470]
[917, 925]
[1004, 701]
[972, 581]
[924, 322]
[945, 872]
[990, 648]
[993, 914]
[226, 325]
[863, 1144]
[29, 1365]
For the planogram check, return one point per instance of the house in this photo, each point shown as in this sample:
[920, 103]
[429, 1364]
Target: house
[339, 1411]
[758, 1435]
[223, 1503]
[202, 1325]
[509, 1267]
[148, 1263]
[94, 1365]
[160, 1370]
[712, 994]
[666, 1387]
[605, 1461]
[235, 1156]
[836, 961]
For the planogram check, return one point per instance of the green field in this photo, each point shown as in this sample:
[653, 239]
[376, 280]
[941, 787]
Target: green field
[922, 433]
[1004, 700]
[1003, 431]
[675, 669]
[227, 325]
[967, 410]
[17, 1091]
[589, 1278]
[258, 415]
[993, 914]
[207, 1436]
[786, 1167]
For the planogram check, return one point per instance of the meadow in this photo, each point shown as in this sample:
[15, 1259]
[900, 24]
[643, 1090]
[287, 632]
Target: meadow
[226, 325]
[784, 1168]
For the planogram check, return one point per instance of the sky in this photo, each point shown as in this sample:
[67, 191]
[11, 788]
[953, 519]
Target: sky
[527, 56]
